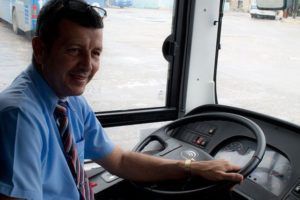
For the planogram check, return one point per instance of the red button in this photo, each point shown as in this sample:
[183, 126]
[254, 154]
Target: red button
[199, 140]
[93, 184]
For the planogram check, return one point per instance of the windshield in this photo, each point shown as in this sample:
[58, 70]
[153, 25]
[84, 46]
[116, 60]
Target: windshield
[259, 62]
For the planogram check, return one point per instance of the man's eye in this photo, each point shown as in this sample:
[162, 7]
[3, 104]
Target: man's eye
[73, 51]
[96, 53]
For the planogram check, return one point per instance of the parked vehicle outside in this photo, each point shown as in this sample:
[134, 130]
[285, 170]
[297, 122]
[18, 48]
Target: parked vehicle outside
[22, 14]
[257, 13]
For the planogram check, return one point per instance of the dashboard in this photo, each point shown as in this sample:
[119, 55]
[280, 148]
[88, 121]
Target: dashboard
[278, 174]
[276, 177]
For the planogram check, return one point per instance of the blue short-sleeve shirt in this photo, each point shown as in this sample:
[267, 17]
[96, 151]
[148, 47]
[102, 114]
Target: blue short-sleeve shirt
[32, 162]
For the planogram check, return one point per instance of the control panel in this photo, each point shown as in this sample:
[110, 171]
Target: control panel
[197, 134]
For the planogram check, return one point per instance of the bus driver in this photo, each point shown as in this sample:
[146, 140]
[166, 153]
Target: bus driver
[47, 128]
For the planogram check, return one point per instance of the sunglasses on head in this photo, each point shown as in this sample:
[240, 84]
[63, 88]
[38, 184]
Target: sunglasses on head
[81, 5]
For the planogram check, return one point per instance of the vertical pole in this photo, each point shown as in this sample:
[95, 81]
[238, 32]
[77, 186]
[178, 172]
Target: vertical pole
[295, 8]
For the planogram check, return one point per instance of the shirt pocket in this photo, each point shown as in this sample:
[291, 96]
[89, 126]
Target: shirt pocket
[80, 149]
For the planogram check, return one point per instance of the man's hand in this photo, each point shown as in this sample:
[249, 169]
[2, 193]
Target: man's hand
[216, 170]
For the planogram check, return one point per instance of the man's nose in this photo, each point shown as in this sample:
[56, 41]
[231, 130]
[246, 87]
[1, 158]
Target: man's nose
[86, 61]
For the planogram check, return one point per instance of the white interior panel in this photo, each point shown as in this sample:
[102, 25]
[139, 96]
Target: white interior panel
[200, 84]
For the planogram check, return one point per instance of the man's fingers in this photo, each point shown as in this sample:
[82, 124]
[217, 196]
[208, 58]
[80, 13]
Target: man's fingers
[234, 168]
[229, 167]
[233, 177]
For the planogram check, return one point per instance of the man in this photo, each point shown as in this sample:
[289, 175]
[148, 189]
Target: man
[47, 128]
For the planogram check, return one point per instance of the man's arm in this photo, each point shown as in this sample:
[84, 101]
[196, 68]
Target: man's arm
[20, 147]
[140, 167]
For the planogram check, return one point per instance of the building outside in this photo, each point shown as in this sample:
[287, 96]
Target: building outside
[239, 5]
[153, 4]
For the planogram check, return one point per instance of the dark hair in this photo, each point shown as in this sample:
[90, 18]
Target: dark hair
[54, 11]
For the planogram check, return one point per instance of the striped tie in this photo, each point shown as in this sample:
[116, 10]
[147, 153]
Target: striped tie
[70, 150]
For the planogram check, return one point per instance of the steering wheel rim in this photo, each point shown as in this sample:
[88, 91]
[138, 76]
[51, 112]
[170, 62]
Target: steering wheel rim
[162, 136]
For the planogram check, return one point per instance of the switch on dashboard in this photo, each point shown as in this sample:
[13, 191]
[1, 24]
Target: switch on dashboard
[108, 177]
[211, 131]
[200, 141]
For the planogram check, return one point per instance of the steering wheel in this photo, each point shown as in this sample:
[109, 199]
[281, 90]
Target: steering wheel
[171, 148]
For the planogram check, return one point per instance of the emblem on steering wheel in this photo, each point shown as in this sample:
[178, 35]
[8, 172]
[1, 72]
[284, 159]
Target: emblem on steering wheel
[189, 154]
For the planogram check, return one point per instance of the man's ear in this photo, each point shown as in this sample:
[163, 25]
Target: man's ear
[38, 49]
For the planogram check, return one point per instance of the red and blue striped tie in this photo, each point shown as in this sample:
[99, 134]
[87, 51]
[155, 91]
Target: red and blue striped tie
[70, 151]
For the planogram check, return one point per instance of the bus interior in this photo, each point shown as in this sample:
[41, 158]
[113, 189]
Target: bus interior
[193, 80]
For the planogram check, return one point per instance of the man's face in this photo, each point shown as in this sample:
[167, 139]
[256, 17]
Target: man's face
[73, 59]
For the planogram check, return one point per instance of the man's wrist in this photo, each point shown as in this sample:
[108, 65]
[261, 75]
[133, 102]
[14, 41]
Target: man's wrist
[188, 167]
